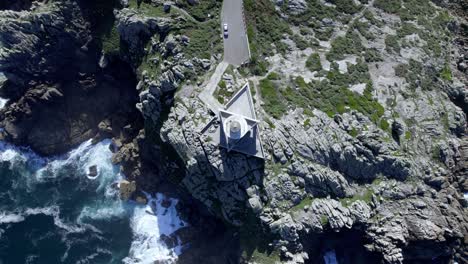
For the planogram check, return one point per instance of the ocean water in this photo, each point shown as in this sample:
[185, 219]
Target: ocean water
[52, 212]
[330, 257]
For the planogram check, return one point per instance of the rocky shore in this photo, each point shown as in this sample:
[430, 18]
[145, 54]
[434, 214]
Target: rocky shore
[378, 181]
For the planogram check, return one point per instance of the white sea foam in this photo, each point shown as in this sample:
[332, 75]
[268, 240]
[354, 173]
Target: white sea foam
[6, 218]
[19, 155]
[147, 228]
[3, 102]
[148, 224]
[81, 158]
[330, 257]
[465, 195]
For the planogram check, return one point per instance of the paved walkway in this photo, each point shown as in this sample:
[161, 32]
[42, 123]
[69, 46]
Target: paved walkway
[209, 88]
[236, 50]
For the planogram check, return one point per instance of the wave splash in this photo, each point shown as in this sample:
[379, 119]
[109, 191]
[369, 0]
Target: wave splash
[82, 217]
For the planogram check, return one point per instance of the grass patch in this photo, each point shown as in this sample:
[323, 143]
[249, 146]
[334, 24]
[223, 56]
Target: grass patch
[391, 44]
[417, 75]
[273, 104]
[313, 62]
[111, 42]
[204, 40]
[300, 206]
[254, 243]
[342, 45]
[446, 73]
[332, 94]
[372, 55]
[365, 196]
[148, 9]
[384, 125]
[273, 76]
[389, 6]
[266, 27]
[202, 9]
[346, 6]
[353, 132]
[363, 29]
[269, 122]
[323, 220]
[407, 135]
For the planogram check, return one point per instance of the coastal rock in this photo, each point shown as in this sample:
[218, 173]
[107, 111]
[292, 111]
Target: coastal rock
[58, 100]
[126, 188]
[92, 171]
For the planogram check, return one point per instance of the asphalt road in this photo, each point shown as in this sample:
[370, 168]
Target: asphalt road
[236, 49]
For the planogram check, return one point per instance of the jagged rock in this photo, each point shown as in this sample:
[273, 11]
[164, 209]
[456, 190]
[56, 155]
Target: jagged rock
[167, 6]
[294, 7]
[399, 223]
[126, 189]
[132, 26]
[92, 171]
[150, 104]
[50, 79]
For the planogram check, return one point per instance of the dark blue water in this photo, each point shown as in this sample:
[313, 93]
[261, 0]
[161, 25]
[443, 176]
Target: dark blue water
[52, 212]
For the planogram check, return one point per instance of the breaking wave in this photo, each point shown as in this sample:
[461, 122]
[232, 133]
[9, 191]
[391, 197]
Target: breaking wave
[52, 211]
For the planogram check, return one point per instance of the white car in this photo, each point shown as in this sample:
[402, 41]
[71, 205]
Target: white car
[225, 30]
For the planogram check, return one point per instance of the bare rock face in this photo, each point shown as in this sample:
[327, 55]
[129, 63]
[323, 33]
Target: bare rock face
[58, 93]
[127, 188]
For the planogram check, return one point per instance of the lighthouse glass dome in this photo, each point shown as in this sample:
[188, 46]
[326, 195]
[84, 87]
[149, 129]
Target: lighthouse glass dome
[235, 127]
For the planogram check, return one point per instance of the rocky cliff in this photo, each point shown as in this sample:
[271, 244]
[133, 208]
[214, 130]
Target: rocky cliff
[362, 105]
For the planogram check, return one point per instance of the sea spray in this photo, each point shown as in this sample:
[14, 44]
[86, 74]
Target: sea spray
[149, 223]
[52, 212]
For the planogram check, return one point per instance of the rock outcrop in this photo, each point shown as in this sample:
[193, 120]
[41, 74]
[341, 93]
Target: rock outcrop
[58, 93]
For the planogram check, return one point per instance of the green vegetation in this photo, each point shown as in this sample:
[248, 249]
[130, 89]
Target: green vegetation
[264, 257]
[446, 73]
[324, 33]
[254, 243]
[202, 9]
[204, 39]
[436, 152]
[273, 76]
[273, 105]
[147, 9]
[111, 42]
[346, 6]
[371, 18]
[417, 76]
[365, 196]
[323, 220]
[266, 27]
[415, 8]
[300, 206]
[332, 95]
[363, 28]
[221, 93]
[407, 29]
[301, 43]
[353, 132]
[372, 55]
[407, 135]
[389, 6]
[307, 122]
[313, 62]
[391, 43]
[316, 11]
[342, 45]
[384, 125]
[269, 122]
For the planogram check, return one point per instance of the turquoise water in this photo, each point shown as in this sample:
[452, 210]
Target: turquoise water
[52, 212]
